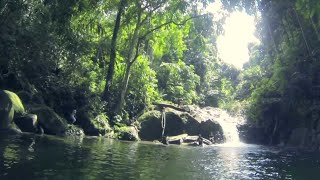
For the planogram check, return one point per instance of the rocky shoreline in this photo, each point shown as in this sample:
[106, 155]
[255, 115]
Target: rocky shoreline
[189, 120]
[42, 119]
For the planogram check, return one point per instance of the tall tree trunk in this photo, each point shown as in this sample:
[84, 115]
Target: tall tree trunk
[124, 88]
[132, 56]
[109, 77]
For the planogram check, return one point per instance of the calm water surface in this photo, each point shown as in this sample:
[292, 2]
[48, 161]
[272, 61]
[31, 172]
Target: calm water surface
[47, 157]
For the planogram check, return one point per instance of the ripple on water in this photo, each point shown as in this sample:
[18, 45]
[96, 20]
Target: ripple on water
[108, 159]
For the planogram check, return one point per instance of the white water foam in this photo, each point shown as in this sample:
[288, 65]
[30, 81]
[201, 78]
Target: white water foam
[229, 127]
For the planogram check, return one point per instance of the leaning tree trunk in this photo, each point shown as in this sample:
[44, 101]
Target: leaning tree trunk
[109, 77]
[124, 88]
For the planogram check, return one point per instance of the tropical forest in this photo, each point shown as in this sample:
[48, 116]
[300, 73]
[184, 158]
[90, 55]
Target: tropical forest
[159, 89]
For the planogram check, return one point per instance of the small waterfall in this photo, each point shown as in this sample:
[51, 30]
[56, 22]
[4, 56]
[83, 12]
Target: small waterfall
[229, 126]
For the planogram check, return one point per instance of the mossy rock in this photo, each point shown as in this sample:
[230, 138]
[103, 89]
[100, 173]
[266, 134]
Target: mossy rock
[10, 107]
[150, 125]
[101, 123]
[128, 133]
[93, 125]
[50, 121]
[16, 102]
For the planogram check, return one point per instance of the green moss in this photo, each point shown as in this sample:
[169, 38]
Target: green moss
[121, 129]
[10, 106]
[100, 122]
[150, 114]
[126, 133]
[17, 104]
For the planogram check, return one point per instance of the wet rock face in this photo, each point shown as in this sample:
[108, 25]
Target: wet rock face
[252, 135]
[299, 137]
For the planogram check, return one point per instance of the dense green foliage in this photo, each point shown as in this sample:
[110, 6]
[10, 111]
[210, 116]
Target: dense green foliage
[280, 84]
[74, 55]
[117, 57]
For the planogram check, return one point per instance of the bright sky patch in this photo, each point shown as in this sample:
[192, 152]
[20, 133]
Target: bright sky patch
[239, 31]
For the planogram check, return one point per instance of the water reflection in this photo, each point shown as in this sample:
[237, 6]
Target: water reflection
[47, 157]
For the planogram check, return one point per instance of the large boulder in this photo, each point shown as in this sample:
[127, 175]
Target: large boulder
[212, 128]
[150, 125]
[192, 125]
[202, 121]
[50, 121]
[10, 107]
[194, 122]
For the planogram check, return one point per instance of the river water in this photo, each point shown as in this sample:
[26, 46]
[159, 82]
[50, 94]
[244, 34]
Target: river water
[48, 157]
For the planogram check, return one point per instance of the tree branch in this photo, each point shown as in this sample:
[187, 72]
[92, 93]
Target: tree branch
[169, 22]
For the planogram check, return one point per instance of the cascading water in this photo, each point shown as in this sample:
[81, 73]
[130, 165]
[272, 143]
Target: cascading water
[228, 125]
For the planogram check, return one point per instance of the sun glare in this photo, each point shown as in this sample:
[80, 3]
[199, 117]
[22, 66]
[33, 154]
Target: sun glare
[239, 31]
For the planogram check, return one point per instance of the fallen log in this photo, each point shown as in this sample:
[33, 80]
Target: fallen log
[206, 141]
[163, 105]
[175, 141]
[181, 136]
[185, 139]
[190, 139]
